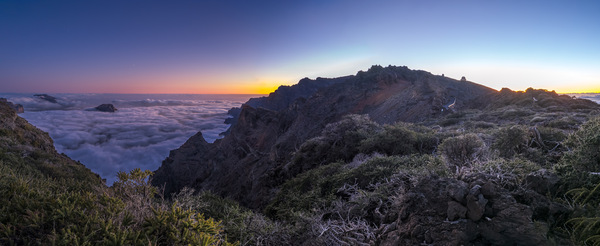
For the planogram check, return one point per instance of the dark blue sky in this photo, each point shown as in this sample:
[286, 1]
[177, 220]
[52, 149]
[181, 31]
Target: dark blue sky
[253, 46]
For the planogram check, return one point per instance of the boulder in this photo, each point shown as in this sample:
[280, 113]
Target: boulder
[489, 216]
[456, 211]
[541, 181]
[106, 108]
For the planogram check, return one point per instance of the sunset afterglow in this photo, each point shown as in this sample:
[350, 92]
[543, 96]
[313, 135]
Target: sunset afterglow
[248, 47]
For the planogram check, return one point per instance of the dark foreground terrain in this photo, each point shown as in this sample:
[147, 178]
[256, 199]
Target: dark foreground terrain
[389, 156]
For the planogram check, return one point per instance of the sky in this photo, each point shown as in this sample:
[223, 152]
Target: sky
[251, 47]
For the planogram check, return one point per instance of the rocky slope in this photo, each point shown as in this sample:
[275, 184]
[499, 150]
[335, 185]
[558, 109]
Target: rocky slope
[25, 147]
[247, 164]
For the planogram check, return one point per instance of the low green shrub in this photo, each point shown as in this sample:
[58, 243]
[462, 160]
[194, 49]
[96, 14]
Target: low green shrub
[401, 139]
[38, 209]
[461, 151]
[510, 141]
[338, 141]
[319, 187]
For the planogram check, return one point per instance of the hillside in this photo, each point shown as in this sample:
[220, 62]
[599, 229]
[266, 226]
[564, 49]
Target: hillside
[389, 156]
[47, 198]
[393, 156]
[245, 165]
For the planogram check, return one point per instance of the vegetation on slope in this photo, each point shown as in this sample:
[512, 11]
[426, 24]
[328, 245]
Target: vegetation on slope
[48, 199]
[500, 175]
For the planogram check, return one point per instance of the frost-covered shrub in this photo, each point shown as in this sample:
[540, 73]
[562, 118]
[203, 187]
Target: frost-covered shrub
[461, 151]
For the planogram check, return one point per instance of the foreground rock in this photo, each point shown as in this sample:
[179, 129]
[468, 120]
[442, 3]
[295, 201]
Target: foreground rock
[472, 211]
[106, 108]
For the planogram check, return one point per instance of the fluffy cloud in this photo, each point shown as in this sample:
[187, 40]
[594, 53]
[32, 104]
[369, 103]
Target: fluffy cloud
[139, 135]
[590, 96]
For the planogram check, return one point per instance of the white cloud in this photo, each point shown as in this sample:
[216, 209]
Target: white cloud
[139, 134]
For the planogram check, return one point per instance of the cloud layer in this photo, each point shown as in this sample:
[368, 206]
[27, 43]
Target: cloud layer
[139, 135]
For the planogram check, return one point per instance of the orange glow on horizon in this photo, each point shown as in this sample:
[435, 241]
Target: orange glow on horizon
[584, 89]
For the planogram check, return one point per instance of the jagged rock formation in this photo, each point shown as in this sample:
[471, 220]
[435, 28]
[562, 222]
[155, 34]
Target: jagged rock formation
[17, 107]
[106, 108]
[245, 164]
[25, 146]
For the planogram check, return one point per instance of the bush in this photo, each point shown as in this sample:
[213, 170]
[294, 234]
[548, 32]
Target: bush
[585, 147]
[510, 173]
[319, 187]
[37, 209]
[239, 223]
[338, 142]
[510, 141]
[462, 150]
[400, 139]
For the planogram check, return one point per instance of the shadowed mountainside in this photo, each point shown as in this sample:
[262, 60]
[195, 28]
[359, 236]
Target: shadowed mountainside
[247, 164]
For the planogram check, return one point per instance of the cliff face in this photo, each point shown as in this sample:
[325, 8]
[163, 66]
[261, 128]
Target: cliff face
[246, 164]
[24, 147]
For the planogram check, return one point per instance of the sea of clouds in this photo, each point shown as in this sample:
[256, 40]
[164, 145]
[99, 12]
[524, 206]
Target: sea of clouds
[590, 96]
[139, 134]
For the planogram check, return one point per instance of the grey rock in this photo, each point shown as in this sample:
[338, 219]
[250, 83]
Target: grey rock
[541, 181]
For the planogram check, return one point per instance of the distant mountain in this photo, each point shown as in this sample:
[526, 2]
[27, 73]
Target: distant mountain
[246, 164]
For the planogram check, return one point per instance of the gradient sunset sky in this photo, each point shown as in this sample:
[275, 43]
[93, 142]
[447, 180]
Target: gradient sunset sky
[144, 46]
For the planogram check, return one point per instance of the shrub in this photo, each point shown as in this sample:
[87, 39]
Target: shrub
[585, 147]
[239, 223]
[511, 140]
[564, 123]
[319, 187]
[338, 141]
[400, 139]
[37, 209]
[462, 150]
[510, 173]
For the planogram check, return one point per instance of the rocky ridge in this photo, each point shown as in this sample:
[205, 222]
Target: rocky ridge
[246, 165]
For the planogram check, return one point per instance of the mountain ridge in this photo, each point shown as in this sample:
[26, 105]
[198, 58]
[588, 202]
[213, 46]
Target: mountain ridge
[244, 165]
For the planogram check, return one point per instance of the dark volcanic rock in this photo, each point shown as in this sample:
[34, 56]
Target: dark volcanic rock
[17, 107]
[247, 165]
[106, 108]
[46, 97]
[429, 213]
[542, 181]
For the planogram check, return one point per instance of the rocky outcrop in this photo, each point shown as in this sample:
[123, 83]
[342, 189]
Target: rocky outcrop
[17, 107]
[472, 211]
[25, 146]
[106, 108]
[246, 165]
